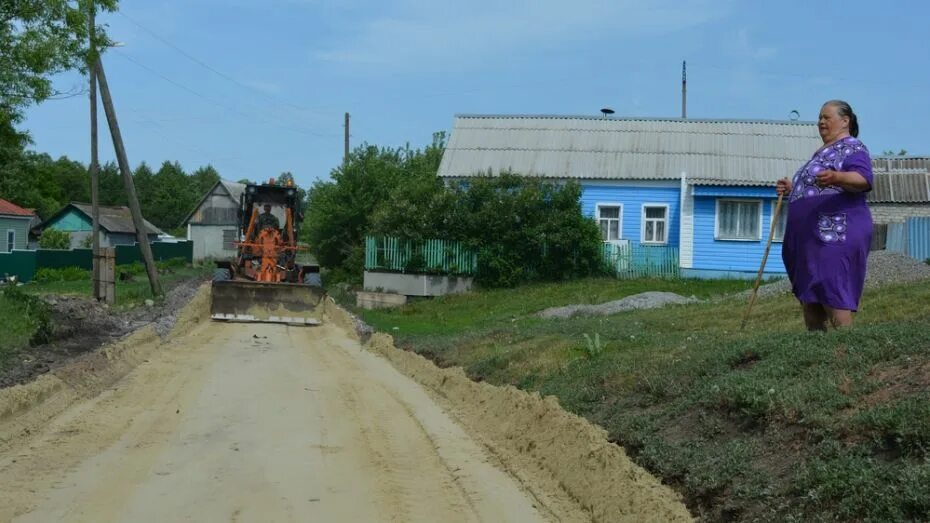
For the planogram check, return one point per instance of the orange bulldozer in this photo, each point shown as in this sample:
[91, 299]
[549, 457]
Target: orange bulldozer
[264, 282]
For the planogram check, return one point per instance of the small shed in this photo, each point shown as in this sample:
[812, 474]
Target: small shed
[902, 188]
[14, 226]
[116, 225]
[213, 224]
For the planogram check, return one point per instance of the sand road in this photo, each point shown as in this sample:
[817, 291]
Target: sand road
[246, 422]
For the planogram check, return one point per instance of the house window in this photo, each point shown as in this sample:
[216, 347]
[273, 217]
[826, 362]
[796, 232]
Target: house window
[10, 240]
[781, 223]
[655, 223]
[739, 220]
[609, 216]
[229, 239]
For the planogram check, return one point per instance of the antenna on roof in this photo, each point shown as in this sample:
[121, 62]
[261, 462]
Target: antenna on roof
[684, 90]
[607, 111]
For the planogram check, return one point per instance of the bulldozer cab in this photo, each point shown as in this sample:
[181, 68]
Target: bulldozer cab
[266, 281]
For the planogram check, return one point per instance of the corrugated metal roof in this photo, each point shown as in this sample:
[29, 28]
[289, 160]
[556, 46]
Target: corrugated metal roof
[115, 219]
[718, 151]
[234, 189]
[900, 180]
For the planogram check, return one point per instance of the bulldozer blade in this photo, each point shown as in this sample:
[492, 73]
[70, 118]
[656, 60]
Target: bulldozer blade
[249, 301]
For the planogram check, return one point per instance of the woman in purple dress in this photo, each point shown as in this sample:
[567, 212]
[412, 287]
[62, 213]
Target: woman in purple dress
[829, 227]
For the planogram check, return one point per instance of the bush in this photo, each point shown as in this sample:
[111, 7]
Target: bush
[35, 310]
[129, 269]
[171, 264]
[54, 239]
[523, 229]
[64, 274]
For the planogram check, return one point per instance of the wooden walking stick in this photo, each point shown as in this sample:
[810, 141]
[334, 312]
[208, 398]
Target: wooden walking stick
[755, 289]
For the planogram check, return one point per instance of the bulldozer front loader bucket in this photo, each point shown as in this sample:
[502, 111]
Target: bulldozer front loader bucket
[249, 301]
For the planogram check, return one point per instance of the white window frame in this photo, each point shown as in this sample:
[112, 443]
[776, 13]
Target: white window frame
[738, 200]
[10, 246]
[783, 215]
[642, 226]
[597, 216]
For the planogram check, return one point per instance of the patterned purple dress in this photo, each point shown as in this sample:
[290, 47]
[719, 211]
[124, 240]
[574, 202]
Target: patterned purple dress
[829, 229]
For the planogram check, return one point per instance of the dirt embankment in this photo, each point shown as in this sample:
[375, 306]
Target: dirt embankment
[536, 439]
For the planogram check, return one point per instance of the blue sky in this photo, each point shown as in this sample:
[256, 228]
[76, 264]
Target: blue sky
[257, 88]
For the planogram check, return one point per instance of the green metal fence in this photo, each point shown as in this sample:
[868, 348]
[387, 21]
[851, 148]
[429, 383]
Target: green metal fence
[386, 253]
[24, 264]
[628, 261]
[59, 259]
[21, 264]
[161, 251]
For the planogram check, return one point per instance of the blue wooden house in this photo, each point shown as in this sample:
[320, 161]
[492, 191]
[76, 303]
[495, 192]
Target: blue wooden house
[703, 190]
[116, 225]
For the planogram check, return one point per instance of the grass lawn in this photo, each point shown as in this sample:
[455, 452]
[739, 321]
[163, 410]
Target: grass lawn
[770, 423]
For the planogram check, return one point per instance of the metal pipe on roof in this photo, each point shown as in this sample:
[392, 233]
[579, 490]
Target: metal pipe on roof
[684, 90]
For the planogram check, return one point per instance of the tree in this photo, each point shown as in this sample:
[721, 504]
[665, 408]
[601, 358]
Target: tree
[55, 239]
[39, 38]
[339, 212]
[203, 179]
[172, 197]
[146, 189]
[286, 177]
[420, 207]
[36, 181]
[525, 230]
[889, 152]
[110, 184]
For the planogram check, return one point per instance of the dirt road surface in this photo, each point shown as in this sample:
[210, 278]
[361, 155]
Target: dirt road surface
[242, 422]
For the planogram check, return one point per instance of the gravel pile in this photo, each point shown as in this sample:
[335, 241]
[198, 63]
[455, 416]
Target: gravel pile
[885, 268]
[645, 300]
[164, 315]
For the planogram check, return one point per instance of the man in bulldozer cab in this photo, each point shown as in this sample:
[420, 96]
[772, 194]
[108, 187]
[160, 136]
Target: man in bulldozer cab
[266, 220]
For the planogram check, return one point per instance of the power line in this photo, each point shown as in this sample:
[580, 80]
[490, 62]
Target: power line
[217, 103]
[212, 69]
[814, 77]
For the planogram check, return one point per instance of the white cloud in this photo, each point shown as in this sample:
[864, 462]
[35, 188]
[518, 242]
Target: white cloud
[458, 34]
[746, 48]
[265, 87]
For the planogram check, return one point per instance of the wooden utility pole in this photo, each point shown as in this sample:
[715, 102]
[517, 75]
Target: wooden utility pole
[138, 220]
[94, 166]
[345, 157]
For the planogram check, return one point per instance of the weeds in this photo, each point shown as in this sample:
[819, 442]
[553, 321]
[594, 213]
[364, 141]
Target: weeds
[64, 274]
[26, 319]
[593, 349]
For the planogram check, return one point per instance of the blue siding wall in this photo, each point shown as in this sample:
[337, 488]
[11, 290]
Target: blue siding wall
[633, 199]
[728, 255]
[71, 221]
